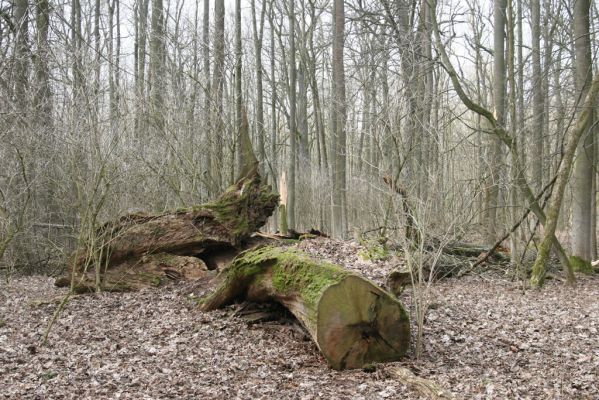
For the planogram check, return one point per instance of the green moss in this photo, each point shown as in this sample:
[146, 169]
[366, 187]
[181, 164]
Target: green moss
[296, 272]
[374, 250]
[2, 323]
[291, 271]
[283, 220]
[288, 271]
[49, 375]
[234, 208]
[580, 265]
[152, 279]
[117, 287]
[165, 258]
[247, 265]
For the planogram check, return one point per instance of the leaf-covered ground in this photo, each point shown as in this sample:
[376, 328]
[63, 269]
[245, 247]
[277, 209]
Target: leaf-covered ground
[484, 338]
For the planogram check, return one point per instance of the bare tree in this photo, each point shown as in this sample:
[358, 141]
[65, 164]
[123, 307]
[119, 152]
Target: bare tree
[258, 30]
[157, 66]
[292, 119]
[338, 119]
[216, 120]
[538, 101]
[582, 176]
[21, 54]
[141, 28]
[238, 94]
[492, 193]
[43, 94]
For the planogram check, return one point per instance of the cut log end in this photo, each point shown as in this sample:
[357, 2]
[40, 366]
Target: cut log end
[359, 323]
[353, 321]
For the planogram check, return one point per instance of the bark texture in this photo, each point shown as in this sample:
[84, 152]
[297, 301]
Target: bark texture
[126, 249]
[583, 171]
[352, 321]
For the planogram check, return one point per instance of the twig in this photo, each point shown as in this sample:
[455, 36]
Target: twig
[426, 387]
[513, 229]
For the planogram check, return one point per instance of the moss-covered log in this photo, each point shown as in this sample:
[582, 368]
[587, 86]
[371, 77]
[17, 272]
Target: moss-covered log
[120, 255]
[353, 321]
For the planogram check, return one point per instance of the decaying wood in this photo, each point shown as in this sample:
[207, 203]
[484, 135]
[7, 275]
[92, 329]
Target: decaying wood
[352, 320]
[140, 249]
[455, 259]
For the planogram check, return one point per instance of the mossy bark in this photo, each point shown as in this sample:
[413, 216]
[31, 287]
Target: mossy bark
[563, 175]
[352, 320]
[123, 248]
[580, 265]
[283, 220]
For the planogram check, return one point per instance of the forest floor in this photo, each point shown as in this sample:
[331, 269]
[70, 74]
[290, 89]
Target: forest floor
[485, 338]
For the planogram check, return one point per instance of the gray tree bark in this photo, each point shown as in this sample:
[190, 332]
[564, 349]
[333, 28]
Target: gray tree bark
[238, 94]
[21, 65]
[538, 100]
[157, 67]
[291, 178]
[216, 120]
[273, 97]
[43, 94]
[207, 91]
[258, 30]
[141, 26]
[582, 176]
[513, 190]
[339, 118]
[492, 194]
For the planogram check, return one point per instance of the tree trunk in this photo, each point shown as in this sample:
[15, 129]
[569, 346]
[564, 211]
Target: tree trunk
[238, 99]
[584, 120]
[258, 31]
[157, 66]
[76, 47]
[339, 118]
[292, 121]
[499, 131]
[112, 97]
[513, 191]
[303, 132]
[140, 249]
[141, 26]
[97, 63]
[352, 321]
[43, 94]
[207, 90]
[216, 120]
[273, 98]
[582, 175]
[21, 66]
[537, 94]
[499, 106]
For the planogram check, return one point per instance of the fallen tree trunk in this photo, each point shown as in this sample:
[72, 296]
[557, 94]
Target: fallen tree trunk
[140, 250]
[352, 321]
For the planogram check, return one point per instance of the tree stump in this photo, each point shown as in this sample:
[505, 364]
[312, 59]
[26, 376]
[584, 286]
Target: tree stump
[352, 320]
